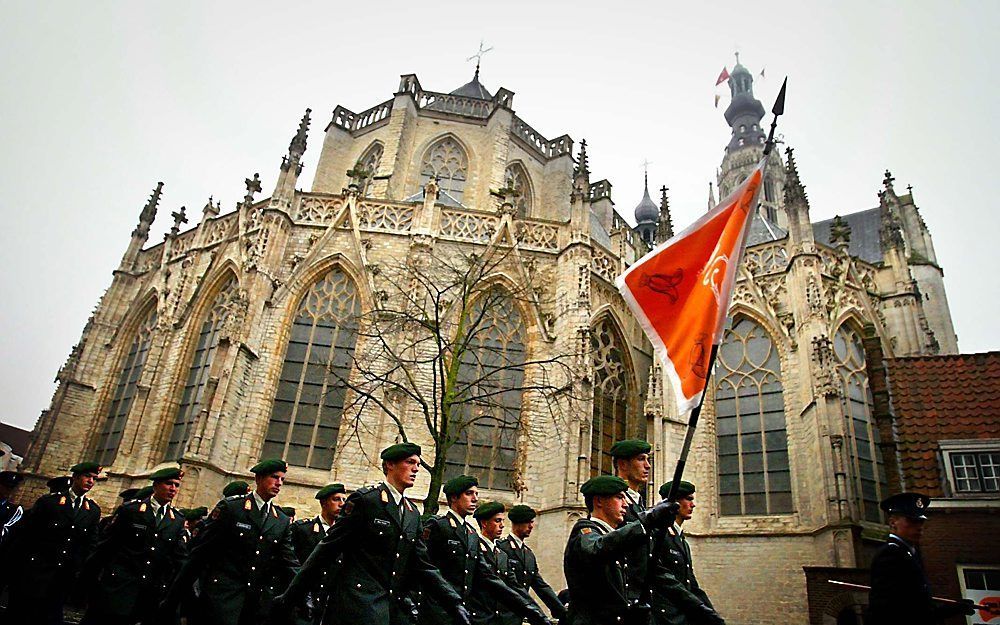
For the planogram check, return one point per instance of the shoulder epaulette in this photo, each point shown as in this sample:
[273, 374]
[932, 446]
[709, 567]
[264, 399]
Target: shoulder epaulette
[364, 490]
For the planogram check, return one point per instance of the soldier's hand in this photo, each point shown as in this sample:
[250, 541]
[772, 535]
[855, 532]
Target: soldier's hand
[660, 515]
[461, 615]
[535, 617]
[969, 607]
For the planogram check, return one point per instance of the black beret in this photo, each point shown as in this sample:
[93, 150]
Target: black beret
[913, 505]
[400, 451]
[330, 489]
[59, 484]
[144, 492]
[10, 479]
[488, 510]
[288, 510]
[460, 484]
[521, 513]
[128, 494]
[193, 514]
[685, 489]
[604, 485]
[630, 448]
[238, 487]
[269, 466]
[169, 473]
[85, 467]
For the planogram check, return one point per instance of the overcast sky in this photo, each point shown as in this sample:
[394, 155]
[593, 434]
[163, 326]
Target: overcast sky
[99, 101]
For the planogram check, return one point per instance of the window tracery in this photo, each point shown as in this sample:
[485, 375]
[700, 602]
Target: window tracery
[516, 179]
[309, 402]
[446, 160]
[370, 162]
[611, 404]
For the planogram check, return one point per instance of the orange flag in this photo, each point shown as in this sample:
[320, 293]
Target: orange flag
[680, 291]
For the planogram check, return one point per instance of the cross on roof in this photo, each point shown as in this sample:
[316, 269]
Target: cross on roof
[479, 55]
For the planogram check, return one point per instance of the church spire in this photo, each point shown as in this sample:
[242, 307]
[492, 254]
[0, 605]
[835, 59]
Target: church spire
[665, 224]
[744, 111]
[711, 196]
[148, 213]
[297, 147]
[794, 189]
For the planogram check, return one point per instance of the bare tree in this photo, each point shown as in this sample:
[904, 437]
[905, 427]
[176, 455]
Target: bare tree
[440, 352]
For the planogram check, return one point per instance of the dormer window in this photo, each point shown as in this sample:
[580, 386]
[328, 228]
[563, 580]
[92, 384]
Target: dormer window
[972, 466]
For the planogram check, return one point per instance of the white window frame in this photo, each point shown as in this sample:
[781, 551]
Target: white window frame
[966, 446]
[961, 568]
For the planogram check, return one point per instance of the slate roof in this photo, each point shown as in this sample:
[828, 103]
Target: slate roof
[938, 398]
[473, 89]
[763, 231]
[866, 242]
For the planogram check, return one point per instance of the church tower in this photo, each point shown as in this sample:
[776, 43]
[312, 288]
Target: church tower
[647, 216]
[746, 145]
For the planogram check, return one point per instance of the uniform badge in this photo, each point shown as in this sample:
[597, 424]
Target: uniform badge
[409, 505]
[452, 521]
[919, 503]
[170, 511]
[315, 528]
[142, 507]
[248, 505]
[586, 530]
[86, 504]
[62, 500]
[385, 497]
[274, 511]
[482, 547]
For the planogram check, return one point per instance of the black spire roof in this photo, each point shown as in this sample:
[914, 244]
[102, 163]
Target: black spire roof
[744, 111]
[474, 89]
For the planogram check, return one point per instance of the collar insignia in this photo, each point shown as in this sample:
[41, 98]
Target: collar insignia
[385, 497]
[451, 520]
[142, 507]
[248, 504]
[170, 511]
[274, 511]
[62, 500]
[316, 528]
[86, 504]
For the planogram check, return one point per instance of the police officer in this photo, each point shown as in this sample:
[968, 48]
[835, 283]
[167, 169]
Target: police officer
[48, 547]
[632, 463]
[10, 512]
[524, 565]
[594, 562]
[454, 547]
[900, 592]
[486, 608]
[378, 536]
[676, 597]
[306, 534]
[238, 554]
[138, 556]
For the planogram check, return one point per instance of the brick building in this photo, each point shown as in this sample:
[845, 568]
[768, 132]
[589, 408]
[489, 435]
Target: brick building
[197, 351]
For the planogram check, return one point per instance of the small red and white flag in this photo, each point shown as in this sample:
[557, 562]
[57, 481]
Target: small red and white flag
[723, 77]
[680, 291]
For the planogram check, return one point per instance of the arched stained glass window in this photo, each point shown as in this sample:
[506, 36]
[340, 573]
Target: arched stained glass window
[447, 161]
[305, 419]
[106, 446]
[610, 396]
[197, 377]
[516, 178]
[754, 476]
[862, 441]
[370, 162]
[491, 376]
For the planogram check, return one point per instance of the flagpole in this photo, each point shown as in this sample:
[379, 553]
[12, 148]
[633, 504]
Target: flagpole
[777, 110]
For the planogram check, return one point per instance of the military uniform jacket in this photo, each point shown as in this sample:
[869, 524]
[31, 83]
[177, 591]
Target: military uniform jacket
[48, 546]
[306, 534]
[900, 592]
[524, 570]
[638, 561]
[676, 597]
[136, 559]
[237, 557]
[594, 565]
[454, 547]
[382, 557]
[485, 608]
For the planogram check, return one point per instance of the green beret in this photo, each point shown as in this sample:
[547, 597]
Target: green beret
[488, 510]
[85, 467]
[460, 484]
[288, 510]
[193, 514]
[144, 492]
[685, 489]
[10, 479]
[238, 487]
[400, 451]
[521, 513]
[330, 489]
[604, 485]
[169, 473]
[269, 466]
[128, 494]
[59, 484]
[630, 448]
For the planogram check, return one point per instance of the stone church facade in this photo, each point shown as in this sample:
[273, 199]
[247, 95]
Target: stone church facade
[216, 347]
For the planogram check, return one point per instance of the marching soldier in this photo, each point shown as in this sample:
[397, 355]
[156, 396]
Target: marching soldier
[524, 565]
[193, 521]
[236, 487]
[241, 550]
[900, 592]
[631, 462]
[10, 512]
[306, 534]
[594, 562]
[454, 547]
[126, 495]
[486, 608]
[378, 538]
[48, 547]
[59, 484]
[141, 552]
[677, 599]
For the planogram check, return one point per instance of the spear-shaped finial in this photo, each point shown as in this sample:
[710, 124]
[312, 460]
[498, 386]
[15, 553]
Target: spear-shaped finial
[777, 110]
[253, 188]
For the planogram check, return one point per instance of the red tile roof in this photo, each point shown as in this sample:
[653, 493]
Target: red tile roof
[937, 398]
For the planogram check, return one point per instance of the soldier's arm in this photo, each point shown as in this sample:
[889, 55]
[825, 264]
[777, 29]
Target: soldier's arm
[547, 595]
[201, 550]
[666, 584]
[488, 581]
[613, 544]
[179, 554]
[288, 562]
[103, 549]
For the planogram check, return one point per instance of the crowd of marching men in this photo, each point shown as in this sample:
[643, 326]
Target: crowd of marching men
[370, 558]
